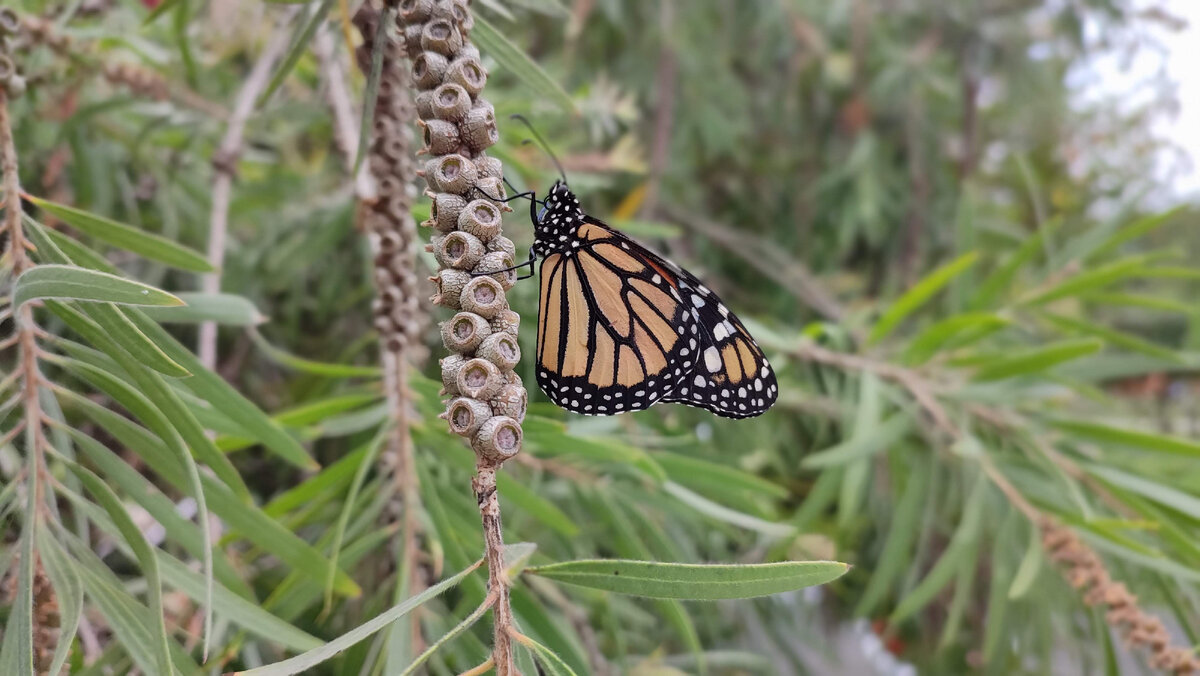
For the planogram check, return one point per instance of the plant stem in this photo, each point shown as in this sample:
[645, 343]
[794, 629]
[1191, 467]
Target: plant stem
[488, 498]
[224, 161]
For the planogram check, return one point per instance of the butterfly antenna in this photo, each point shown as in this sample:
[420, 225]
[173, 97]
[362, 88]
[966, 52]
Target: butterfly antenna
[541, 141]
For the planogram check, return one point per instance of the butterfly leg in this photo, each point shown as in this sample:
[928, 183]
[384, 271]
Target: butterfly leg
[529, 263]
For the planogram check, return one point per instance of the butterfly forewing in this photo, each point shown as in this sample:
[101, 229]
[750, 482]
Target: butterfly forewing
[609, 326]
[621, 328]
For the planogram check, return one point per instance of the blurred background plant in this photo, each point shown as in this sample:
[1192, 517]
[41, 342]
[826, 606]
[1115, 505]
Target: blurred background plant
[983, 339]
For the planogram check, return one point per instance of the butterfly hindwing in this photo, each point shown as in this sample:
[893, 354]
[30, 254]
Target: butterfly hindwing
[731, 376]
[609, 325]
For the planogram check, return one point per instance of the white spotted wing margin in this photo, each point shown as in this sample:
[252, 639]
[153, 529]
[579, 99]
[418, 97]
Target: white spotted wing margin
[731, 377]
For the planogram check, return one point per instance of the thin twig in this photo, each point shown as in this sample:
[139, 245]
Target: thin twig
[224, 161]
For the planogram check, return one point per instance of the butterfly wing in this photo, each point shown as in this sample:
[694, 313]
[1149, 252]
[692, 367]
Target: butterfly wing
[731, 376]
[620, 328]
[610, 326]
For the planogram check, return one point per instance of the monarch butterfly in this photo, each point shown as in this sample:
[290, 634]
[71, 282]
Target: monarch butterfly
[621, 328]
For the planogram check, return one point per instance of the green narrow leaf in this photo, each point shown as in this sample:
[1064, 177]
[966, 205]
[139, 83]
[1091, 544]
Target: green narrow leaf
[1139, 228]
[145, 244]
[148, 562]
[55, 247]
[180, 20]
[222, 308]
[874, 439]
[223, 397]
[692, 581]
[291, 361]
[1091, 280]
[1037, 360]
[902, 533]
[299, 45]
[132, 340]
[1029, 567]
[68, 590]
[1130, 438]
[723, 513]
[466, 624]
[362, 632]
[554, 665]
[493, 43]
[16, 653]
[69, 282]
[1143, 301]
[1112, 336]
[339, 530]
[687, 469]
[944, 333]
[162, 8]
[1184, 503]
[962, 543]
[918, 295]
[1001, 280]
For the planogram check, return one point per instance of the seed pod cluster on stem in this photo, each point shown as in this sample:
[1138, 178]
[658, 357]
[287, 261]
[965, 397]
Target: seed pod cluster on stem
[466, 185]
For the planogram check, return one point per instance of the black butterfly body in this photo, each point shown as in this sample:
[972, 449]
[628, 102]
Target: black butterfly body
[621, 328]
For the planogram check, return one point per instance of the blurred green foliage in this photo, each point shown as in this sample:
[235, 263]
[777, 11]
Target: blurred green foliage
[904, 199]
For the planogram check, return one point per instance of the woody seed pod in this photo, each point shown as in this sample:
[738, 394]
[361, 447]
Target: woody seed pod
[450, 102]
[494, 262]
[489, 167]
[450, 283]
[466, 416]
[441, 36]
[441, 137]
[411, 36]
[467, 72]
[508, 322]
[428, 69]
[480, 379]
[480, 218]
[493, 189]
[469, 50]
[10, 23]
[452, 173]
[15, 87]
[484, 296]
[424, 104]
[500, 349]
[498, 439]
[446, 209]
[415, 11]
[458, 10]
[7, 69]
[464, 332]
[460, 250]
[511, 400]
[451, 365]
[504, 244]
[479, 127]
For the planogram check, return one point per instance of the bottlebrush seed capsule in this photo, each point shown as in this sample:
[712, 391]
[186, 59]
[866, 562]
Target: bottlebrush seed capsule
[498, 439]
[466, 416]
[480, 379]
[446, 209]
[451, 365]
[411, 34]
[489, 167]
[451, 102]
[441, 137]
[424, 103]
[10, 23]
[458, 10]
[415, 11]
[429, 68]
[504, 244]
[493, 189]
[500, 349]
[467, 72]
[7, 69]
[506, 321]
[441, 36]
[494, 262]
[460, 250]
[464, 332]
[480, 218]
[450, 283]
[453, 173]
[484, 296]
[512, 400]
[479, 127]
